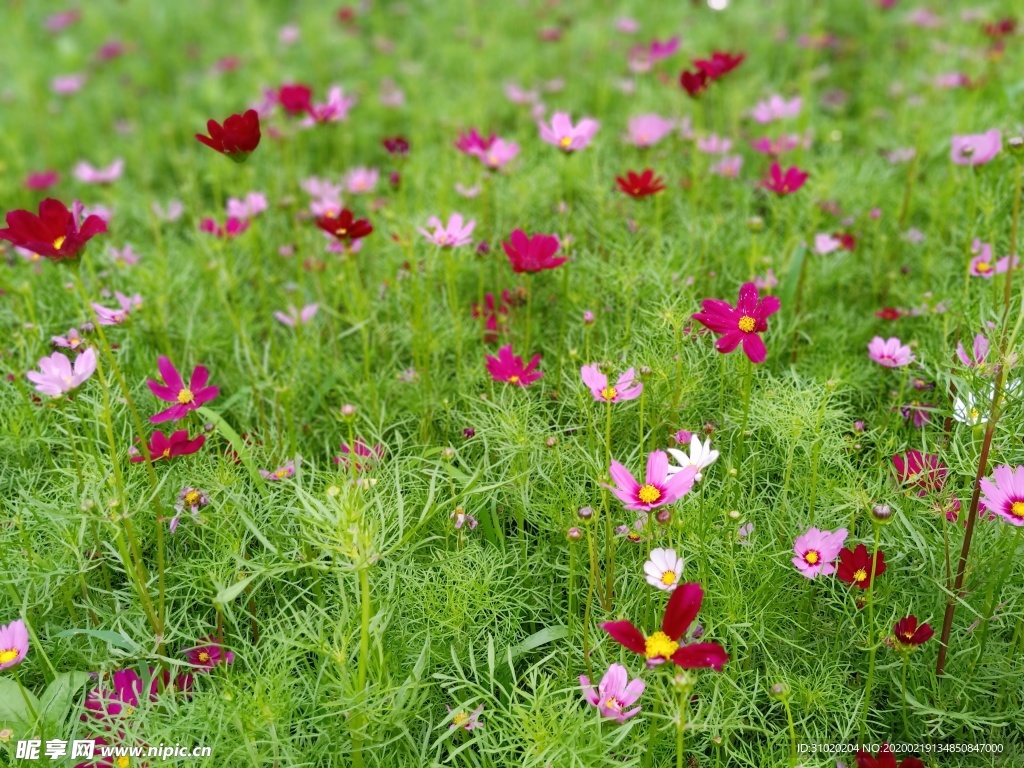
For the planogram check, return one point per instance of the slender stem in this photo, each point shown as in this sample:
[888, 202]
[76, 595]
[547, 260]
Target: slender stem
[592, 578]
[609, 533]
[792, 731]
[680, 726]
[364, 658]
[871, 634]
[906, 724]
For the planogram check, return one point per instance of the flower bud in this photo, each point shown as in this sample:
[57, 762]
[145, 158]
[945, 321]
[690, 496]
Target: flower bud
[588, 318]
[209, 426]
[551, 442]
[734, 514]
[755, 224]
[348, 411]
[574, 534]
[881, 513]
[1016, 144]
[779, 691]
[663, 516]
[585, 513]
[448, 453]
[684, 681]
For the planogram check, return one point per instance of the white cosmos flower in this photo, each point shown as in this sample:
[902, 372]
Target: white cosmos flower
[701, 456]
[968, 410]
[664, 569]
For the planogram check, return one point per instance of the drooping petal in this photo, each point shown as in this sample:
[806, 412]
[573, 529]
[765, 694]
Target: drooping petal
[700, 656]
[625, 634]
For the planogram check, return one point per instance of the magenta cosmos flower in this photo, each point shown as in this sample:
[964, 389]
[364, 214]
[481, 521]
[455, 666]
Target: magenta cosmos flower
[164, 447]
[648, 130]
[980, 353]
[13, 643]
[744, 323]
[614, 693]
[816, 552]
[56, 376]
[173, 390]
[567, 137]
[1004, 494]
[976, 148]
[296, 317]
[658, 488]
[664, 644]
[366, 456]
[508, 367]
[208, 654]
[533, 253]
[924, 470]
[126, 695]
[891, 352]
[628, 387]
[784, 182]
[468, 721]
[283, 472]
[452, 235]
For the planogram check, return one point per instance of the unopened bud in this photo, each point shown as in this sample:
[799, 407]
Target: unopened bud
[585, 513]
[755, 223]
[551, 442]
[574, 534]
[448, 453]
[779, 690]
[663, 516]
[348, 411]
[881, 513]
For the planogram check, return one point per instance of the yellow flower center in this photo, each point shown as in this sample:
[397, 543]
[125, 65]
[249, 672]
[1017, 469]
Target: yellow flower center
[59, 242]
[167, 453]
[860, 575]
[129, 710]
[204, 657]
[192, 499]
[513, 379]
[280, 474]
[340, 231]
[668, 578]
[747, 324]
[613, 704]
[123, 761]
[186, 396]
[659, 645]
[983, 266]
[812, 557]
[648, 494]
[633, 536]
[1017, 509]
[609, 393]
[908, 634]
[565, 142]
[7, 656]
[460, 718]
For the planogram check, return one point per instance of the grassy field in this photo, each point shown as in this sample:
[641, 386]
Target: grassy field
[375, 537]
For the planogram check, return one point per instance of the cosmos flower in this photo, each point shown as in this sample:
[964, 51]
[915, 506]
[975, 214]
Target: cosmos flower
[976, 148]
[640, 185]
[472, 142]
[460, 519]
[784, 182]
[908, 634]
[295, 98]
[468, 721]
[923, 470]
[72, 341]
[125, 256]
[744, 323]
[232, 228]
[396, 145]
[56, 376]
[124, 698]
[65, 85]
[361, 181]
[344, 226]
[628, 387]
[334, 110]
[208, 654]
[295, 317]
[164, 447]
[713, 144]
[614, 694]
[728, 167]
[648, 130]
[777, 146]
[366, 455]
[1004, 493]
[13, 643]
[701, 456]
[172, 212]
[453, 235]
[38, 181]
[816, 551]
[658, 488]
[237, 138]
[694, 82]
[561, 133]
[105, 316]
[87, 174]
[190, 500]
[890, 353]
[663, 569]
[721, 63]
[55, 233]
[498, 154]
[533, 253]
[509, 368]
[173, 390]
[664, 645]
[855, 566]
[776, 108]
[252, 205]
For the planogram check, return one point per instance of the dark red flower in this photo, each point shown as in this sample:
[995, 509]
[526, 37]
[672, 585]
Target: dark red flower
[719, 64]
[694, 83]
[1002, 28]
[55, 233]
[178, 444]
[889, 313]
[855, 566]
[885, 759]
[742, 323]
[846, 241]
[295, 98]
[924, 470]
[640, 185]
[664, 645]
[237, 138]
[909, 633]
[532, 254]
[784, 182]
[396, 145]
[345, 226]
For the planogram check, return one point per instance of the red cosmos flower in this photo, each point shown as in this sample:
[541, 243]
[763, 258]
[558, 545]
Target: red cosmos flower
[855, 567]
[694, 83]
[345, 226]
[889, 313]
[640, 185]
[847, 242]
[909, 634]
[719, 64]
[396, 145]
[1002, 28]
[664, 644]
[295, 98]
[532, 254]
[510, 368]
[237, 138]
[885, 759]
[742, 324]
[173, 390]
[924, 470]
[784, 183]
[55, 233]
[178, 444]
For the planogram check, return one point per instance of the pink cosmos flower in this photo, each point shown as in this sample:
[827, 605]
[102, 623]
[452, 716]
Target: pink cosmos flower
[283, 472]
[232, 228]
[366, 455]
[468, 721]
[784, 182]
[950, 80]
[453, 235]
[744, 323]
[816, 552]
[983, 264]
[37, 182]
[533, 253]
[980, 350]
[518, 95]
[65, 85]
[361, 181]
[173, 390]
[127, 690]
[648, 130]
[125, 256]
[891, 352]
[99, 211]
[13, 643]
[614, 693]
[767, 282]
[713, 144]
[465, 191]
[496, 312]
[58, 21]
[390, 95]
[472, 142]
[658, 489]
[1004, 494]
[334, 110]
[249, 207]
[728, 167]
[105, 316]
[56, 376]
[168, 447]
[976, 148]
[72, 341]
[825, 243]
[295, 317]
[289, 34]
[776, 108]
[627, 25]
[172, 212]
[784, 143]
[563, 134]
[510, 368]
[87, 174]
[924, 470]
[208, 654]
[900, 155]
[498, 154]
[628, 387]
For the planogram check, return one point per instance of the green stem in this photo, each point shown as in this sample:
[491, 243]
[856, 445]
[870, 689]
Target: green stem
[792, 731]
[906, 724]
[871, 635]
[609, 532]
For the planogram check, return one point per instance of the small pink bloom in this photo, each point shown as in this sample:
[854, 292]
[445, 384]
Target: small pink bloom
[117, 316]
[767, 282]
[825, 243]
[334, 110]
[784, 182]
[627, 25]
[126, 256]
[85, 173]
[614, 693]
[37, 182]
[467, 721]
[714, 144]
[628, 387]
[172, 212]
[208, 654]
[648, 130]
[361, 181]
[518, 95]
[728, 167]
[980, 352]
[499, 154]
[453, 235]
[283, 472]
[65, 85]
[658, 489]
[289, 34]
[816, 552]
[511, 369]
[57, 376]
[465, 191]
[251, 206]
[563, 134]
[891, 353]
[776, 108]
[977, 148]
[13, 643]
[295, 317]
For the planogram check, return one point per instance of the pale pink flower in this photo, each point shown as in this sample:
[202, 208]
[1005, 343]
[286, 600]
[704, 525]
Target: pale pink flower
[126, 256]
[390, 94]
[87, 174]
[295, 317]
[976, 148]
[453, 235]
[900, 155]
[949, 80]
[102, 211]
[924, 17]
[627, 25]
[891, 353]
[825, 243]
[518, 95]
[648, 130]
[614, 693]
[465, 191]
[563, 134]
[776, 108]
[816, 552]
[56, 376]
[105, 316]
[250, 206]
[628, 386]
[729, 166]
[498, 153]
[173, 211]
[72, 341]
[713, 144]
[65, 85]
[767, 282]
[980, 352]
[361, 181]
[334, 110]
[289, 34]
